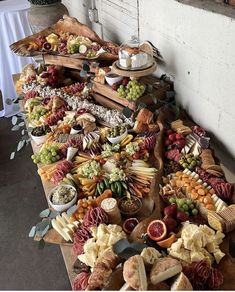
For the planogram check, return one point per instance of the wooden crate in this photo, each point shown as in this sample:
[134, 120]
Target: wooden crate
[109, 93]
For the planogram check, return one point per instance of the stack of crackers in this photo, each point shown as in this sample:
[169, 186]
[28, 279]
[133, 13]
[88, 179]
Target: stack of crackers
[180, 128]
[209, 165]
[223, 220]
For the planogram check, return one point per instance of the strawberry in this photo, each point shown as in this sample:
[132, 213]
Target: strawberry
[169, 132]
[171, 224]
[170, 210]
[179, 136]
[180, 143]
[171, 137]
[181, 216]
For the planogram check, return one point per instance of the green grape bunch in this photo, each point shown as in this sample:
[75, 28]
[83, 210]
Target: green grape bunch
[47, 155]
[132, 91]
[37, 113]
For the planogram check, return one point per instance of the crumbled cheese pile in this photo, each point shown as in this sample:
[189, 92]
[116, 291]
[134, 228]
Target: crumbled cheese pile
[103, 237]
[197, 243]
[111, 116]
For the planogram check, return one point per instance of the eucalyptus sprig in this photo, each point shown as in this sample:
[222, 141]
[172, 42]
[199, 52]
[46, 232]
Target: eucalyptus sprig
[42, 227]
[18, 124]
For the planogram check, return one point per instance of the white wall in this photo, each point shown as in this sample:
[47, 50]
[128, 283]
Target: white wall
[78, 9]
[198, 47]
[119, 17]
[199, 51]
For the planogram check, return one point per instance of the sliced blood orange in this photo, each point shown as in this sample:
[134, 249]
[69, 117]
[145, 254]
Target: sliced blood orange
[157, 230]
[166, 243]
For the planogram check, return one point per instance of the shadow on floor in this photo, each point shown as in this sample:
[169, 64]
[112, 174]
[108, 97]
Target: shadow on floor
[23, 265]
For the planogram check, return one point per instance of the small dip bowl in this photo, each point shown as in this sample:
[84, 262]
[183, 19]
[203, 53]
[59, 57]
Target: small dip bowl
[117, 139]
[62, 207]
[129, 206]
[76, 129]
[112, 78]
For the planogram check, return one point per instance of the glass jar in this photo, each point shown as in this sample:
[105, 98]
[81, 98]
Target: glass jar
[135, 55]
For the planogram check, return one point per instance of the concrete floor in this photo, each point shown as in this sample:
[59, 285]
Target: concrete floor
[22, 265]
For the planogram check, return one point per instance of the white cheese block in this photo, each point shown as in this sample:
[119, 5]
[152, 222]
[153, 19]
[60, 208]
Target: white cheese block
[76, 224]
[71, 227]
[61, 221]
[66, 217]
[218, 255]
[68, 233]
[139, 60]
[126, 63]
[58, 229]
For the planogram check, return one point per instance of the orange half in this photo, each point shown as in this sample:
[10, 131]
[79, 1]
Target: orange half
[166, 243]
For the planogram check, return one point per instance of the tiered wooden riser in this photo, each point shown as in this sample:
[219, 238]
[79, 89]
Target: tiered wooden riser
[70, 62]
[104, 91]
[112, 95]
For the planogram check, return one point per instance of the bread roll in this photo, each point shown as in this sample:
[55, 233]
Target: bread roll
[150, 255]
[139, 127]
[163, 269]
[134, 273]
[103, 269]
[145, 116]
[181, 283]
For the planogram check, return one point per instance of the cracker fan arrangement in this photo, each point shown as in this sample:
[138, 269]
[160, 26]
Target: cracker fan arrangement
[139, 197]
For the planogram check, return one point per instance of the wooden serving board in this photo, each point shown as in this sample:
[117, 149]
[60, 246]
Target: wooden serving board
[132, 73]
[53, 237]
[67, 62]
[74, 63]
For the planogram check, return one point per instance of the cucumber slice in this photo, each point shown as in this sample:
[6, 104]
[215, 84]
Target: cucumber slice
[82, 49]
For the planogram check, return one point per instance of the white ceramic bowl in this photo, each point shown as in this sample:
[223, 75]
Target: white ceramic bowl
[39, 139]
[61, 208]
[112, 78]
[117, 139]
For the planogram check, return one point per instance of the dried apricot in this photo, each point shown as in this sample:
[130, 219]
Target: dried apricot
[201, 192]
[194, 195]
[80, 210]
[80, 216]
[178, 173]
[201, 199]
[210, 207]
[207, 200]
[84, 204]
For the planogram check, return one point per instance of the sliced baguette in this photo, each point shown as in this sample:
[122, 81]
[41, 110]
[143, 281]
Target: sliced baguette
[164, 269]
[134, 273]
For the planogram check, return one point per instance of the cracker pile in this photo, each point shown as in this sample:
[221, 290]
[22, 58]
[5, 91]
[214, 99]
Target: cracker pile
[180, 128]
[223, 220]
[209, 165]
